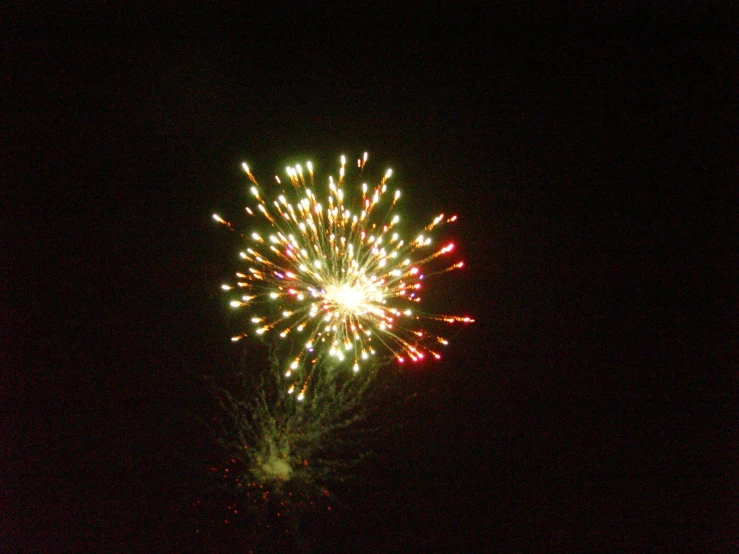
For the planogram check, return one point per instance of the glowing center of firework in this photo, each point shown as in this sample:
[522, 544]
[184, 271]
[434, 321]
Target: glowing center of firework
[347, 298]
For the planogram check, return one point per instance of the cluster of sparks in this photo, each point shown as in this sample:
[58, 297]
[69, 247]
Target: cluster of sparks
[336, 276]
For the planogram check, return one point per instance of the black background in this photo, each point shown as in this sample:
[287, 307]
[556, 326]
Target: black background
[590, 154]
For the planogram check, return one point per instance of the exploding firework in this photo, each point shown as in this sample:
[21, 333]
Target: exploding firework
[336, 276]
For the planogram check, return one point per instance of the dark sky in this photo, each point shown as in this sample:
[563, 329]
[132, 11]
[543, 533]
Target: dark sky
[591, 156]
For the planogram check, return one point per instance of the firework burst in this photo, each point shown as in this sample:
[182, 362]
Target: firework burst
[334, 272]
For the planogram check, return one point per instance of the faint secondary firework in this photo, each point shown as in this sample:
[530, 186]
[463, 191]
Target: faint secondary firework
[335, 276]
[276, 440]
[282, 455]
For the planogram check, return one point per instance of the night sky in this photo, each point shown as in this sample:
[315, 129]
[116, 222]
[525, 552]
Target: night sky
[591, 157]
